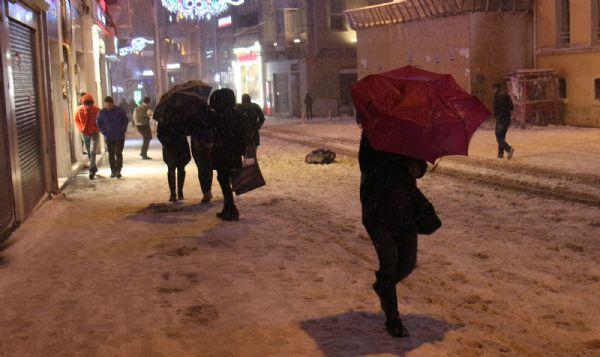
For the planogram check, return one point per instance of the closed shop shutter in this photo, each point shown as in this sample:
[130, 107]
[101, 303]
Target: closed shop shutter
[7, 211]
[22, 48]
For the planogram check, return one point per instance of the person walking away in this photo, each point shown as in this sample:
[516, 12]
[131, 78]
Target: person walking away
[202, 142]
[253, 120]
[388, 182]
[113, 122]
[229, 147]
[85, 120]
[308, 103]
[176, 154]
[503, 107]
[141, 117]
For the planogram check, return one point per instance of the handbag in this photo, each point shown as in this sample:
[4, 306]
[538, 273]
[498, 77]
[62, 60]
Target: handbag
[247, 178]
[427, 220]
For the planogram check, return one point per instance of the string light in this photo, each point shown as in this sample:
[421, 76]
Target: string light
[199, 9]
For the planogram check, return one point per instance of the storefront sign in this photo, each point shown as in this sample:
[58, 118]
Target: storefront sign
[21, 14]
[247, 57]
[225, 22]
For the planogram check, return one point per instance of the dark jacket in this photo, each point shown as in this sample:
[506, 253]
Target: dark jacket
[229, 141]
[503, 107]
[386, 188]
[252, 120]
[202, 130]
[176, 149]
[113, 123]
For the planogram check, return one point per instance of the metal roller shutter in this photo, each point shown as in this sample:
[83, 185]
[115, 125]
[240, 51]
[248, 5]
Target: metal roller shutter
[22, 48]
[7, 210]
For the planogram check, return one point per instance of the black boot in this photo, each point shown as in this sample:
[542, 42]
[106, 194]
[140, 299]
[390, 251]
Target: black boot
[232, 214]
[385, 288]
[172, 188]
[224, 212]
[180, 183]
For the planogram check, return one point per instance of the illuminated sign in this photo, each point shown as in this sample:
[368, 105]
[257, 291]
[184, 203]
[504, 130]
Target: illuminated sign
[138, 44]
[199, 9]
[225, 22]
[173, 66]
[148, 73]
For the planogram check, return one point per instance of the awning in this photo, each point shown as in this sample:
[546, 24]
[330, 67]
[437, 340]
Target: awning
[412, 10]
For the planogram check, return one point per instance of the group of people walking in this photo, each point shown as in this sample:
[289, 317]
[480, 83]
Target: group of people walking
[232, 132]
[112, 122]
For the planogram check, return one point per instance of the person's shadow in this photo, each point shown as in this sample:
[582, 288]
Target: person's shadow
[359, 333]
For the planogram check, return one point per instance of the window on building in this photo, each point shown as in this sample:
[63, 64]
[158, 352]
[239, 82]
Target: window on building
[280, 21]
[337, 20]
[562, 88]
[563, 22]
[597, 88]
[596, 22]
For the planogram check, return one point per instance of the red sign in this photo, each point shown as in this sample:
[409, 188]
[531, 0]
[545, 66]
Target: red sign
[247, 57]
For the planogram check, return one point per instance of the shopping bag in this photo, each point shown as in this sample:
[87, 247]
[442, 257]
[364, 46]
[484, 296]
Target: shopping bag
[246, 179]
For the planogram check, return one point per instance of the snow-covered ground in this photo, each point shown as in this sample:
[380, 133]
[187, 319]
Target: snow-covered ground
[103, 272]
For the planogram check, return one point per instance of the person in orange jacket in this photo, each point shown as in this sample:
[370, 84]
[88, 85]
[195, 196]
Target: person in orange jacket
[85, 120]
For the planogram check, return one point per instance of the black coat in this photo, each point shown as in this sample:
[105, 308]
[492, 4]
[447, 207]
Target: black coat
[386, 188]
[252, 120]
[503, 107]
[176, 149]
[229, 141]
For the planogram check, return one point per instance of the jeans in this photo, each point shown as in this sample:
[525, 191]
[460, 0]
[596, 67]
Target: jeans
[115, 155]
[91, 145]
[501, 130]
[203, 159]
[309, 112]
[146, 136]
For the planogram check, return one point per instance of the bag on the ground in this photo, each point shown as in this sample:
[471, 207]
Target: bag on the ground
[320, 157]
[426, 219]
[246, 179]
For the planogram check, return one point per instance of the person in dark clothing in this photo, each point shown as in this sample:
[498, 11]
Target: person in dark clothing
[503, 107]
[176, 154]
[202, 143]
[253, 121]
[141, 117]
[112, 122]
[229, 147]
[388, 182]
[308, 103]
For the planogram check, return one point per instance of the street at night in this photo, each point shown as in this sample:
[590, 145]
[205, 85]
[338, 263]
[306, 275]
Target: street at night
[299, 178]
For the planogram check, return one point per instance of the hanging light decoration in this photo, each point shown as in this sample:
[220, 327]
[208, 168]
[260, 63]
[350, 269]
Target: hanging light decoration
[199, 9]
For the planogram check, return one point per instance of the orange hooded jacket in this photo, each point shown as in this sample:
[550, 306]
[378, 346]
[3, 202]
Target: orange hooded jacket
[85, 118]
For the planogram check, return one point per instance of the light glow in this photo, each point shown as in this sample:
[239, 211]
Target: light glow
[199, 9]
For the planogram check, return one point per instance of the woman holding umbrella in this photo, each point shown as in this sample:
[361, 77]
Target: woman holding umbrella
[408, 116]
[228, 148]
[177, 114]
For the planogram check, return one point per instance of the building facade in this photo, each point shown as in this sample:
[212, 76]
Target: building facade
[53, 50]
[478, 42]
[568, 41]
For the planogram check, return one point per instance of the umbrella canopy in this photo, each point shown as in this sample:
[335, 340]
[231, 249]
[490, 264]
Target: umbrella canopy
[417, 113]
[183, 103]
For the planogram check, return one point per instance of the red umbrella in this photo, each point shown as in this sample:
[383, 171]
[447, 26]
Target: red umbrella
[417, 113]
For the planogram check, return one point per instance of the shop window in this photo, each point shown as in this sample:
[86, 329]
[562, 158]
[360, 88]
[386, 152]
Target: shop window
[596, 22]
[563, 22]
[337, 20]
[562, 88]
[597, 88]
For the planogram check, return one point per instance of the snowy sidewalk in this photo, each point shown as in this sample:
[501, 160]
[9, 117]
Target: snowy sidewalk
[110, 270]
[559, 162]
